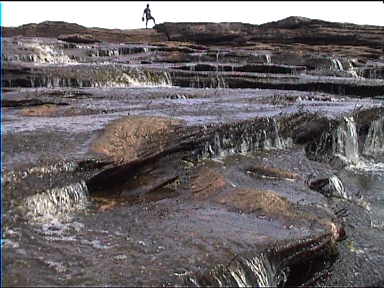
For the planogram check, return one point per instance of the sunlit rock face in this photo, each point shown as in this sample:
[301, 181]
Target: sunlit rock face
[243, 156]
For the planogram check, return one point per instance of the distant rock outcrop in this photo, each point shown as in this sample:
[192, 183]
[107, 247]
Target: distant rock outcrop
[289, 30]
[206, 33]
[75, 33]
[50, 29]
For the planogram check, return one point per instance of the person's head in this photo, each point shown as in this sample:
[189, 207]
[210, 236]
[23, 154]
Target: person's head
[147, 5]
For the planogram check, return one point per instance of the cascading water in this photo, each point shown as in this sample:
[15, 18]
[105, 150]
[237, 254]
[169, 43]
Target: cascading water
[337, 187]
[275, 141]
[242, 272]
[340, 145]
[374, 143]
[268, 58]
[347, 67]
[219, 82]
[344, 144]
[337, 64]
[105, 77]
[40, 54]
[245, 139]
[56, 203]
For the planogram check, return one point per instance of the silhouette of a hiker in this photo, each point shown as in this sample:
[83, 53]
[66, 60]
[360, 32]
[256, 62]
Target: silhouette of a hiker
[148, 16]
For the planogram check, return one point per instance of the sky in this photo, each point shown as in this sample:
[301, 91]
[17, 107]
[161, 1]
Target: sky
[127, 14]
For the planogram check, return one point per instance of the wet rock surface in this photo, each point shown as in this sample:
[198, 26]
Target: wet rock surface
[130, 159]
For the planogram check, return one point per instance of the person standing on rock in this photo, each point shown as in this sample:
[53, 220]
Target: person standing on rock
[148, 16]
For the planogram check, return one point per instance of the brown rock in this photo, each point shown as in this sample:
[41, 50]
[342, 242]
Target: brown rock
[133, 137]
[207, 183]
[252, 200]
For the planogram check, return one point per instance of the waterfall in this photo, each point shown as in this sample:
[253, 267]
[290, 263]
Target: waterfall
[45, 54]
[278, 142]
[348, 69]
[374, 143]
[219, 82]
[338, 146]
[241, 272]
[337, 188]
[337, 64]
[106, 77]
[245, 138]
[344, 144]
[217, 59]
[268, 58]
[56, 202]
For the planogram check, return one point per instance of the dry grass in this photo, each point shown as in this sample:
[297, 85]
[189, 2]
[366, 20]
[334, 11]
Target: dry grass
[133, 137]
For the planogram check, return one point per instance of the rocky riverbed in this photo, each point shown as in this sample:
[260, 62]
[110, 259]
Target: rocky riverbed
[198, 154]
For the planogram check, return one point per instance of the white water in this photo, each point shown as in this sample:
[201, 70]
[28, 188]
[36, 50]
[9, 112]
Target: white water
[337, 187]
[337, 64]
[223, 145]
[344, 144]
[264, 274]
[56, 203]
[268, 58]
[112, 77]
[47, 54]
[374, 143]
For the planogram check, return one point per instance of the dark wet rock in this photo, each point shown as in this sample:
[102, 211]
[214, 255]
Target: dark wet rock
[372, 73]
[311, 130]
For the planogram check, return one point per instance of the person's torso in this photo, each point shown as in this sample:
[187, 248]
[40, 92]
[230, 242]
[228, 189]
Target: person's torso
[147, 12]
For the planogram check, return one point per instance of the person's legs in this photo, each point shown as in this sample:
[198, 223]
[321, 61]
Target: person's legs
[146, 23]
[154, 22]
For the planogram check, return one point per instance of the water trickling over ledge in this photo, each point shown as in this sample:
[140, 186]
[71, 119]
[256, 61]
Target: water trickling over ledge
[56, 203]
[86, 76]
[374, 142]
